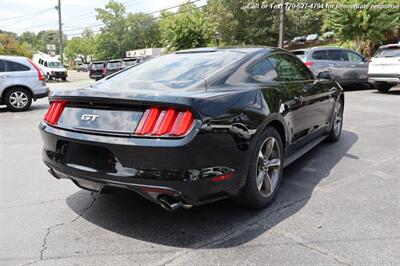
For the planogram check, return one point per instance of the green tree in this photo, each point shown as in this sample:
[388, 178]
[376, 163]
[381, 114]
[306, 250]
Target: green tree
[110, 42]
[81, 47]
[142, 32]
[363, 25]
[10, 46]
[188, 28]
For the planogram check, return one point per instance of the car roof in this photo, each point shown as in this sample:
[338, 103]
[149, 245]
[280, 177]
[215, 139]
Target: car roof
[12, 57]
[240, 49]
[389, 45]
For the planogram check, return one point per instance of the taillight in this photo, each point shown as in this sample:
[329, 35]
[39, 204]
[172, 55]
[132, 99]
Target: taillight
[164, 122]
[54, 112]
[103, 71]
[40, 76]
[309, 64]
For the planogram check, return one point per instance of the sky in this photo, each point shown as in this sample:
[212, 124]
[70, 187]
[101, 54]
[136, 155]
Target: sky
[36, 15]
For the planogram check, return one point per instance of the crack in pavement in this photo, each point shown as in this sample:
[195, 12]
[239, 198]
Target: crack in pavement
[239, 230]
[309, 246]
[44, 245]
[87, 208]
[49, 230]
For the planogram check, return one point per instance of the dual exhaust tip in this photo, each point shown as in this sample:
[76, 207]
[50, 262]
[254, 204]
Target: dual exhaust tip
[172, 204]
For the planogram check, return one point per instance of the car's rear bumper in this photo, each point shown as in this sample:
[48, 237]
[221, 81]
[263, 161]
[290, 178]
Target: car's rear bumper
[186, 168]
[42, 93]
[391, 78]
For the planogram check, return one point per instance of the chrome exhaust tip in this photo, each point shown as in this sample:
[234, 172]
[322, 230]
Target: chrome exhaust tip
[172, 204]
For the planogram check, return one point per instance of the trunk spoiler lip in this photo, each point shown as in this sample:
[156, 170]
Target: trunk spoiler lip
[184, 103]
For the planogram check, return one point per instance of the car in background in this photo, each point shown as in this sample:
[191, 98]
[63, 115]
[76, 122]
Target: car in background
[97, 70]
[21, 81]
[82, 68]
[299, 40]
[384, 67]
[194, 126]
[329, 35]
[347, 66]
[113, 66]
[50, 66]
[126, 62]
[312, 37]
[300, 53]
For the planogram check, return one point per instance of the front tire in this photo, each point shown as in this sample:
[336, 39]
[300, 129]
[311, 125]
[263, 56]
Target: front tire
[265, 171]
[18, 99]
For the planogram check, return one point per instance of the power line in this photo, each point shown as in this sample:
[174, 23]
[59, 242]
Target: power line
[150, 13]
[30, 14]
[81, 16]
[174, 14]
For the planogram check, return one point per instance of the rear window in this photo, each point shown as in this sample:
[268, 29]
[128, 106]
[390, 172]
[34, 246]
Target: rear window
[332, 55]
[188, 67]
[299, 54]
[129, 62]
[114, 64]
[388, 52]
[97, 66]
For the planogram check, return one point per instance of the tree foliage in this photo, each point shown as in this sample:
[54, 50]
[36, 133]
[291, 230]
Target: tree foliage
[363, 25]
[188, 28]
[10, 46]
[81, 47]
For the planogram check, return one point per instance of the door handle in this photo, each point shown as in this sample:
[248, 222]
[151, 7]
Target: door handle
[4, 76]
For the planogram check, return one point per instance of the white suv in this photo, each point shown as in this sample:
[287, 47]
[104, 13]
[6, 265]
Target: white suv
[20, 82]
[384, 67]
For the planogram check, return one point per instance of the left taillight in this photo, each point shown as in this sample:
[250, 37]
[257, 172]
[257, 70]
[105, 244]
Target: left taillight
[167, 122]
[54, 112]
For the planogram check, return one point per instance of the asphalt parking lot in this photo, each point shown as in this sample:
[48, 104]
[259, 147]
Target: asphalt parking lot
[338, 205]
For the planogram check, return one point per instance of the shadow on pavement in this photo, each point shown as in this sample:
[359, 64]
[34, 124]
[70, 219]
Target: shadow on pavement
[34, 107]
[130, 215]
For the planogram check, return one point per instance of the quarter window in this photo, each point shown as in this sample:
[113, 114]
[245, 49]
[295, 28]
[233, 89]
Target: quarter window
[289, 68]
[353, 57]
[263, 71]
[13, 67]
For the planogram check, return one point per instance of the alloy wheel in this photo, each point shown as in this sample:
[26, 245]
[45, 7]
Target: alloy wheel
[337, 123]
[268, 167]
[19, 99]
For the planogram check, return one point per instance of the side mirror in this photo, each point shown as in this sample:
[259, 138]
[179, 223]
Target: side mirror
[325, 75]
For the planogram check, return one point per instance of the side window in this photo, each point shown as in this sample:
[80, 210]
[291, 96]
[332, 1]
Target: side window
[2, 66]
[41, 61]
[263, 71]
[13, 66]
[336, 55]
[319, 55]
[45, 63]
[289, 68]
[353, 57]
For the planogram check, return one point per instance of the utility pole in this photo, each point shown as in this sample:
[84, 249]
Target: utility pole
[58, 7]
[282, 24]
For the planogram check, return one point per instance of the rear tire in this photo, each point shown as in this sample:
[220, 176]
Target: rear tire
[337, 122]
[18, 99]
[382, 86]
[265, 171]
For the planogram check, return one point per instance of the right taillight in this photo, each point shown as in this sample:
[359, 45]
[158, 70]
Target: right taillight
[165, 122]
[309, 64]
[54, 112]
[40, 76]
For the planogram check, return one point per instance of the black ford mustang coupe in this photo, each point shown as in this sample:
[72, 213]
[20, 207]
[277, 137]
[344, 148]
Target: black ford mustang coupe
[194, 126]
